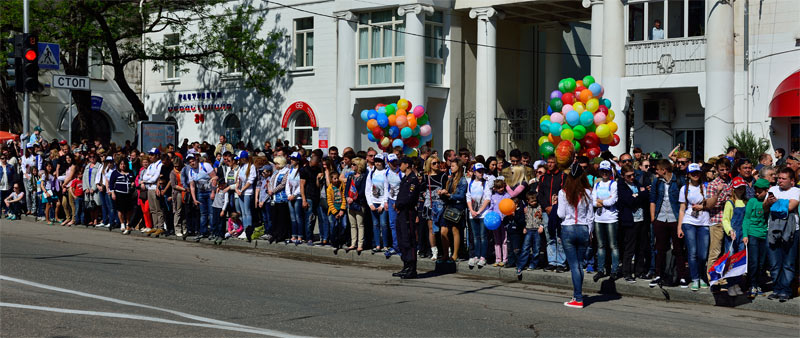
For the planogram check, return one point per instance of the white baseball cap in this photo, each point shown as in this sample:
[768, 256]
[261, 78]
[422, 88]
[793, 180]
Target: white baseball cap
[694, 167]
[605, 165]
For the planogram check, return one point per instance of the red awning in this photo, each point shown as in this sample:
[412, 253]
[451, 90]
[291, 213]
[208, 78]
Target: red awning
[5, 136]
[786, 100]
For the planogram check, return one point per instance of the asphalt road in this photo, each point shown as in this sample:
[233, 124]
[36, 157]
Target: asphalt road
[76, 282]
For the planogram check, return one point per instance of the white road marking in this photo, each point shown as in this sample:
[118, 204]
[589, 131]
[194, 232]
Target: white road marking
[209, 322]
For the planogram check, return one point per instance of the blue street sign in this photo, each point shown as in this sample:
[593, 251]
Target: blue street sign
[49, 57]
[97, 102]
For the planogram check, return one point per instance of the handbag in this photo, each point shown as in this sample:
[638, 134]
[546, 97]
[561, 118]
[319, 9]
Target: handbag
[90, 202]
[452, 214]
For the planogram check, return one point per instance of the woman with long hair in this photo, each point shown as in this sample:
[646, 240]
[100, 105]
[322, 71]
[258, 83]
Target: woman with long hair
[375, 189]
[245, 187]
[295, 199]
[356, 203]
[48, 185]
[577, 216]
[433, 181]
[109, 214]
[280, 207]
[693, 223]
[121, 187]
[454, 194]
[480, 194]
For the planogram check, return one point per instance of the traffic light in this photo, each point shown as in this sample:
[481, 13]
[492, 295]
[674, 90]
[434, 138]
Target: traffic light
[30, 62]
[15, 64]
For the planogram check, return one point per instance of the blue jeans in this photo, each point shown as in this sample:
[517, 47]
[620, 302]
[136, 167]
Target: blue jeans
[575, 239]
[757, 252]
[555, 250]
[337, 226]
[266, 217]
[204, 197]
[607, 235]
[436, 215]
[481, 244]
[696, 239]
[380, 228]
[217, 224]
[79, 211]
[297, 217]
[243, 206]
[530, 250]
[393, 223]
[107, 208]
[781, 260]
[652, 249]
[325, 225]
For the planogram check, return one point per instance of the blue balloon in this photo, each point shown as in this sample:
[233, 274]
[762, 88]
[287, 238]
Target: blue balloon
[573, 118]
[595, 88]
[587, 119]
[372, 114]
[408, 150]
[382, 110]
[383, 121]
[365, 115]
[371, 137]
[545, 126]
[549, 110]
[397, 143]
[492, 220]
[394, 132]
[424, 139]
[603, 147]
[555, 129]
[607, 103]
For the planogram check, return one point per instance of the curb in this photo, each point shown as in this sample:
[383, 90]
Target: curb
[537, 277]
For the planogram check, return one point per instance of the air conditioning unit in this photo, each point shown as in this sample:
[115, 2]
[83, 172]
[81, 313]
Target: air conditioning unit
[657, 111]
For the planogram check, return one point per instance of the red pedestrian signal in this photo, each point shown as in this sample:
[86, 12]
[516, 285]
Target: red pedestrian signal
[30, 55]
[30, 62]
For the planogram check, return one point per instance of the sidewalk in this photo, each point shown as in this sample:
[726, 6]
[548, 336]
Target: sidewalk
[538, 277]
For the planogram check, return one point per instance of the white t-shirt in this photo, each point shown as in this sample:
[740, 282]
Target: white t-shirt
[792, 194]
[244, 178]
[695, 196]
[478, 192]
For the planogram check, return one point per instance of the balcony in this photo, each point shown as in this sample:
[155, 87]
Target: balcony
[669, 56]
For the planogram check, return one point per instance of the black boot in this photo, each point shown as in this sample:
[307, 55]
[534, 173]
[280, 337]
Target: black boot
[412, 271]
[403, 271]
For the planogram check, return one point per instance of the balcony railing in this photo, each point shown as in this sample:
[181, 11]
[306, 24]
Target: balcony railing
[665, 56]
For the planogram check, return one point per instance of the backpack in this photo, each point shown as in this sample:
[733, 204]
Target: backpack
[779, 209]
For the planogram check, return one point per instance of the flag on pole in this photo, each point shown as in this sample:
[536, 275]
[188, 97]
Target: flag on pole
[729, 265]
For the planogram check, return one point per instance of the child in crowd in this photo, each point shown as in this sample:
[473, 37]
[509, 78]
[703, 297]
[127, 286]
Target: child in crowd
[732, 217]
[500, 249]
[76, 189]
[218, 207]
[336, 207]
[754, 236]
[264, 201]
[235, 227]
[534, 227]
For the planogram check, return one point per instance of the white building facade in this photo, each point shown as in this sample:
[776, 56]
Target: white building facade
[483, 69]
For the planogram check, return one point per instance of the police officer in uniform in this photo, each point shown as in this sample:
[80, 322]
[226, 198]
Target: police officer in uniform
[406, 206]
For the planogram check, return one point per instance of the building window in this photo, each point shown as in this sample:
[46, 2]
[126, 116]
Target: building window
[234, 34]
[304, 42]
[434, 48]
[302, 132]
[671, 19]
[95, 63]
[691, 140]
[172, 41]
[233, 129]
[380, 48]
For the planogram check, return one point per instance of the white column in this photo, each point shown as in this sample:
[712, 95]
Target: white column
[719, 76]
[597, 37]
[345, 78]
[486, 80]
[614, 66]
[554, 35]
[414, 71]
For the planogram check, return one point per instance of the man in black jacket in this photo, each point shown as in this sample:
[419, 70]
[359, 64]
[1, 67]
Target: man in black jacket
[406, 207]
[549, 186]
[632, 202]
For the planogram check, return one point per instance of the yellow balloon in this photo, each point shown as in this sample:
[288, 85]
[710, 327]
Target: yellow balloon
[386, 142]
[413, 153]
[543, 139]
[603, 131]
[610, 116]
[578, 107]
[607, 140]
[592, 105]
[567, 134]
[402, 104]
[613, 126]
[544, 118]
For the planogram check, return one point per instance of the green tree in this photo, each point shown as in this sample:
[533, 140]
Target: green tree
[214, 34]
[745, 141]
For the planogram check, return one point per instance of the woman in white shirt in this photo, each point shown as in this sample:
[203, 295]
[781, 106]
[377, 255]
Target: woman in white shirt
[604, 200]
[245, 180]
[296, 212]
[479, 195]
[375, 191]
[280, 206]
[576, 212]
[693, 223]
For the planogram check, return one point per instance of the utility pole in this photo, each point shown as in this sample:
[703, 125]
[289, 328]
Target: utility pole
[26, 103]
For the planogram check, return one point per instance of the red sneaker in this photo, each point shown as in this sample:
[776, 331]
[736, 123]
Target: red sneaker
[574, 304]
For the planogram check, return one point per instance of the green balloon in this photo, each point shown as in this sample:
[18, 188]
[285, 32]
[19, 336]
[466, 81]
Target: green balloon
[556, 104]
[422, 120]
[591, 128]
[566, 126]
[588, 80]
[570, 84]
[415, 131]
[562, 86]
[546, 149]
[390, 110]
[577, 145]
[579, 131]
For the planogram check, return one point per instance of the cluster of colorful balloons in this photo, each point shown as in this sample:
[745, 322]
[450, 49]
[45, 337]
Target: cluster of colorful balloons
[579, 120]
[492, 219]
[398, 125]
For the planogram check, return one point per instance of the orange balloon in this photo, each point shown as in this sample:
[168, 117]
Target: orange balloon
[553, 139]
[402, 122]
[585, 95]
[392, 120]
[371, 124]
[578, 83]
[412, 121]
[401, 112]
[507, 206]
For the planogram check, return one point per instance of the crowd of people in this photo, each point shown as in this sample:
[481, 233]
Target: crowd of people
[634, 217]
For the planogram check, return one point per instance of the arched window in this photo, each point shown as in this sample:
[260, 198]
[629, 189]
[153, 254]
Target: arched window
[301, 129]
[233, 129]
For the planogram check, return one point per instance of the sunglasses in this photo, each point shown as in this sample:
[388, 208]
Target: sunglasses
[646, 165]
[683, 162]
[624, 161]
[434, 162]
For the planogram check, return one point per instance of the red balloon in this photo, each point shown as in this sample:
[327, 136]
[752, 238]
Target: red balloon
[602, 109]
[615, 141]
[564, 151]
[568, 98]
[412, 142]
[379, 105]
[591, 140]
[593, 152]
[378, 133]
[580, 88]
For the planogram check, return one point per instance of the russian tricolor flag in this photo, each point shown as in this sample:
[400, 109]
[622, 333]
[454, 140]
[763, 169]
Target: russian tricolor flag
[728, 266]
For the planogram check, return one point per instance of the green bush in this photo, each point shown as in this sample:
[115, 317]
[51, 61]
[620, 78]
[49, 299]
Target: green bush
[748, 145]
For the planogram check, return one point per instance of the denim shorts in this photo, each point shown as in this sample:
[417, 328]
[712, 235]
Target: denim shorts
[435, 214]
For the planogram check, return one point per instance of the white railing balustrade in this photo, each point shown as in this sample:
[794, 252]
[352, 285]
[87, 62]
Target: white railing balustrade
[665, 56]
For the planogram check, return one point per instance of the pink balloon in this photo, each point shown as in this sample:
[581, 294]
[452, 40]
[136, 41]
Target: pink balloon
[567, 108]
[599, 118]
[425, 130]
[419, 111]
[557, 118]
